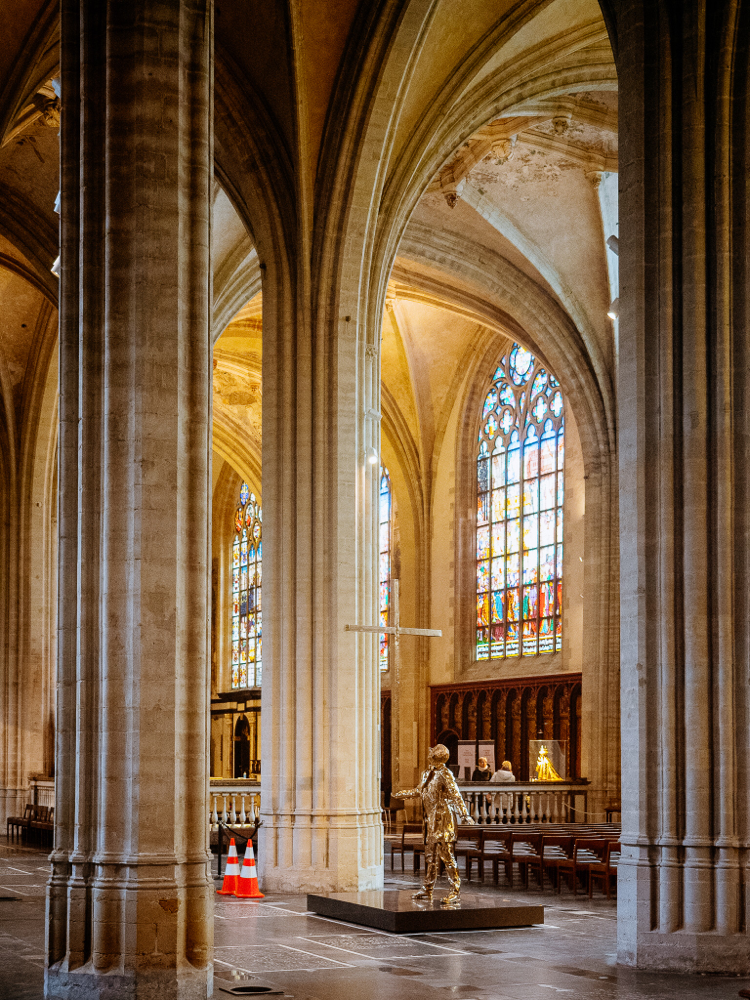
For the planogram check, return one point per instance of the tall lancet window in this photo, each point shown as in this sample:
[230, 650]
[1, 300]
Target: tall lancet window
[247, 623]
[520, 511]
[385, 564]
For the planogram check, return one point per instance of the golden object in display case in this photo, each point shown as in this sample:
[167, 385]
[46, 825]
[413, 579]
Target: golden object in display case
[544, 769]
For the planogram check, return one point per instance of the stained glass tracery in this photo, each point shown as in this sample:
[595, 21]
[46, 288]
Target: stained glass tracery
[384, 519]
[247, 622]
[520, 511]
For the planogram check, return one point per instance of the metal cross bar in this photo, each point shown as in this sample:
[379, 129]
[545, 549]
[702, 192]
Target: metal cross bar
[396, 628]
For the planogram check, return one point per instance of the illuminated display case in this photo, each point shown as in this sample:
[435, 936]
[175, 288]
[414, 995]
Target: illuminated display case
[548, 760]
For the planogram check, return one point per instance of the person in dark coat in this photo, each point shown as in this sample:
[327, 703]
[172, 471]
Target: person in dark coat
[482, 772]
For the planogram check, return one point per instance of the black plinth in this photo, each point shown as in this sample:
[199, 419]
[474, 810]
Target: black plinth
[396, 911]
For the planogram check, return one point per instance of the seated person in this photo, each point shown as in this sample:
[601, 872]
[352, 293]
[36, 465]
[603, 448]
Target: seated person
[504, 772]
[481, 771]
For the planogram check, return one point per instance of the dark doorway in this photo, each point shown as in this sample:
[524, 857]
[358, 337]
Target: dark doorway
[385, 747]
[449, 739]
[242, 747]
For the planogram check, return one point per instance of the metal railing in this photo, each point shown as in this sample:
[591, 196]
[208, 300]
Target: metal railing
[42, 791]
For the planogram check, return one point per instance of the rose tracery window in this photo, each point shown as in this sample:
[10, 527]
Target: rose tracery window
[384, 520]
[519, 542]
[247, 623]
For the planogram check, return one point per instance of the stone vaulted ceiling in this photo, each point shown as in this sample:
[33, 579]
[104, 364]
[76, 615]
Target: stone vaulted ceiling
[517, 193]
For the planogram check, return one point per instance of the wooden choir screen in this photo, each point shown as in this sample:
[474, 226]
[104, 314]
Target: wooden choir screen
[510, 712]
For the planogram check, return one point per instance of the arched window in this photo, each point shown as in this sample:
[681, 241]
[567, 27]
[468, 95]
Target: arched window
[385, 564]
[520, 511]
[247, 624]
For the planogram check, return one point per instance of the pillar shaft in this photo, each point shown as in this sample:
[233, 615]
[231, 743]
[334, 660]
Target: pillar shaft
[130, 896]
[321, 689]
[685, 630]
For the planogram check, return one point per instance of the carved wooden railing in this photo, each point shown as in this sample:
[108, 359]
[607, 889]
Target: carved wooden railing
[525, 802]
[234, 802]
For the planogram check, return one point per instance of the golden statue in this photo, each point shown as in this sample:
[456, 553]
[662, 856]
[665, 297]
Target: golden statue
[440, 796]
[544, 769]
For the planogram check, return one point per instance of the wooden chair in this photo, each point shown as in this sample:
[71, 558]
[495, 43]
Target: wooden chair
[19, 823]
[587, 851]
[607, 870]
[469, 845]
[390, 813]
[612, 808]
[497, 847]
[527, 851]
[38, 815]
[555, 847]
[41, 828]
[411, 837]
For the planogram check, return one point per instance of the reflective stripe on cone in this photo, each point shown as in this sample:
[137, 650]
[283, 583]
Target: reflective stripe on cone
[247, 887]
[231, 872]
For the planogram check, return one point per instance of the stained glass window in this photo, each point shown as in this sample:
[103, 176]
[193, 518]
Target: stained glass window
[520, 511]
[385, 563]
[247, 623]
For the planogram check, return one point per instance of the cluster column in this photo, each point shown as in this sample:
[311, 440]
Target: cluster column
[322, 829]
[683, 446]
[130, 898]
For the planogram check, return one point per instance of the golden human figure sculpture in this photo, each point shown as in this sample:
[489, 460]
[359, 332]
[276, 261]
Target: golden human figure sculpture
[440, 797]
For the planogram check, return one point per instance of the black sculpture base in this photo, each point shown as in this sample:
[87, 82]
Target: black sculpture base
[396, 911]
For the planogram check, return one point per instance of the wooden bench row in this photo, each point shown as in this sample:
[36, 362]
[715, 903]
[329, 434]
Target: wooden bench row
[583, 854]
[36, 825]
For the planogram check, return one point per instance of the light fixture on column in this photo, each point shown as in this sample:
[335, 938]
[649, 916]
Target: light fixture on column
[371, 455]
[614, 310]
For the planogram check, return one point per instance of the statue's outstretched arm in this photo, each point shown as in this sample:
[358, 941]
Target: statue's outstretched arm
[457, 800]
[407, 793]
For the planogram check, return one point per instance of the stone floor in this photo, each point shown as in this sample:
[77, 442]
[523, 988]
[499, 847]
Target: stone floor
[275, 942]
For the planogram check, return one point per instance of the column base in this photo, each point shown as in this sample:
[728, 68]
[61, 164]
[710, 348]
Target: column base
[686, 951]
[649, 935]
[84, 984]
[296, 856]
[303, 880]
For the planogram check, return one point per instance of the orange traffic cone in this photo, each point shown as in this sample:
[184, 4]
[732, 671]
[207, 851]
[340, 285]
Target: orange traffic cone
[247, 887]
[231, 872]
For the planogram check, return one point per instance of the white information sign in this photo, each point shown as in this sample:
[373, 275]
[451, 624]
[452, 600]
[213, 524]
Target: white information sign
[467, 759]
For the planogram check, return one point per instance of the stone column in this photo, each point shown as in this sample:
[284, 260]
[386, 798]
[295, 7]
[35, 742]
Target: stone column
[321, 687]
[683, 418]
[130, 895]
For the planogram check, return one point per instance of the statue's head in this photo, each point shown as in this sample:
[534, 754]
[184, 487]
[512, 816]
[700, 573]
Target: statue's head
[438, 754]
